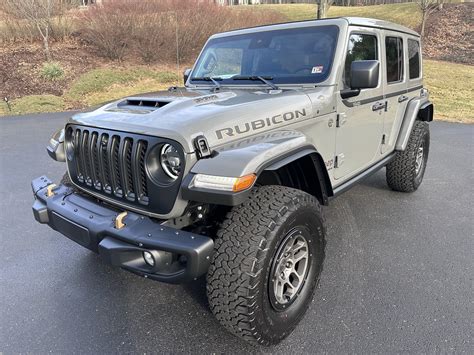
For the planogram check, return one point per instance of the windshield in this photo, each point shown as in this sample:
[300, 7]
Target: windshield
[290, 56]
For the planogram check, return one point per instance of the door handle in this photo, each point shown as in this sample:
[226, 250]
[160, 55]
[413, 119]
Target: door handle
[378, 106]
[402, 98]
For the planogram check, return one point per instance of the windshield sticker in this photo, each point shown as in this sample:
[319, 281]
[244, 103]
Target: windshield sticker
[317, 69]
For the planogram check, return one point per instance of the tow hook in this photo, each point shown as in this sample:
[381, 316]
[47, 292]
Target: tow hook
[49, 190]
[119, 224]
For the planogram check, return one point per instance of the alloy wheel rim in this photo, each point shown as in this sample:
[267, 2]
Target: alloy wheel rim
[419, 159]
[290, 268]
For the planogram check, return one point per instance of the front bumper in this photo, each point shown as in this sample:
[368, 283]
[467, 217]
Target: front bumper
[179, 255]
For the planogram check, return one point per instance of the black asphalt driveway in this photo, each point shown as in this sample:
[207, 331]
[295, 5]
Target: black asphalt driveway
[398, 275]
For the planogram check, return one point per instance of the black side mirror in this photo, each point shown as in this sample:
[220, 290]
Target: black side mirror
[364, 75]
[186, 74]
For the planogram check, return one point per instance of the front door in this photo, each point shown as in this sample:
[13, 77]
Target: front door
[360, 127]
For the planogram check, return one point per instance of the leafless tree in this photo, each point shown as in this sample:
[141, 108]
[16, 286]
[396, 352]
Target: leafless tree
[427, 7]
[39, 13]
[323, 7]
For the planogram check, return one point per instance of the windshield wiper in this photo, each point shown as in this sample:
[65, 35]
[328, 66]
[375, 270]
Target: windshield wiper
[210, 78]
[263, 79]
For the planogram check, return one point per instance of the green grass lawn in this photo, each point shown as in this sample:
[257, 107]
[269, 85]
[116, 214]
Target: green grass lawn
[98, 80]
[406, 14]
[451, 89]
[33, 104]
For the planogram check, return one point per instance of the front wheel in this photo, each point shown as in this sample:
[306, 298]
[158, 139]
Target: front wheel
[268, 259]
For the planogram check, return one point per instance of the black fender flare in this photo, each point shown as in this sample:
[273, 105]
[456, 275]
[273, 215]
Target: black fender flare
[228, 198]
[426, 112]
[318, 163]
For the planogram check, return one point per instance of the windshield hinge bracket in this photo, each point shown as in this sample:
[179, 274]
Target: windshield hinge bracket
[202, 147]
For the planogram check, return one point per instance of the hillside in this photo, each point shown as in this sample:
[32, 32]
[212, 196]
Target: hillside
[406, 14]
[449, 33]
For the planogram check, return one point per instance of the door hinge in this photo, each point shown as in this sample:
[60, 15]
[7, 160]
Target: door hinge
[383, 138]
[338, 160]
[340, 119]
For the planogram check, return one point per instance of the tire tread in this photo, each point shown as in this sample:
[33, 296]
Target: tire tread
[400, 173]
[241, 250]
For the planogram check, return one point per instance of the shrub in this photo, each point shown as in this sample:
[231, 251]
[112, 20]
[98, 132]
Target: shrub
[162, 30]
[52, 71]
[108, 27]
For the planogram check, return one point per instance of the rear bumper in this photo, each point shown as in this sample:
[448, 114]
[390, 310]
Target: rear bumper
[179, 256]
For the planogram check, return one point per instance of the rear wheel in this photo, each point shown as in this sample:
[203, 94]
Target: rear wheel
[268, 259]
[405, 173]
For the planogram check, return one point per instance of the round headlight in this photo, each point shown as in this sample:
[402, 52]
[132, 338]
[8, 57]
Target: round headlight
[170, 161]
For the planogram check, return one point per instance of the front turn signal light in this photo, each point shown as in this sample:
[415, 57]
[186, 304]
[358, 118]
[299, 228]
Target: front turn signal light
[223, 183]
[244, 182]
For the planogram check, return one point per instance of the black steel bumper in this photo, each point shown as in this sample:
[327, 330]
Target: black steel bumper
[179, 256]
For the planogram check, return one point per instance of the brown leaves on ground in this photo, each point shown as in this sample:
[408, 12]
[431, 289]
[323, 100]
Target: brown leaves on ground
[450, 34]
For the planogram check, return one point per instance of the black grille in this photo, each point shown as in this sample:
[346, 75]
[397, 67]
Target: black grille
[122, 167]
[110, 163]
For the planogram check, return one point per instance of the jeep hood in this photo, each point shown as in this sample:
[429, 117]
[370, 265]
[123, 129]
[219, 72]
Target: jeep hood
[183, 114]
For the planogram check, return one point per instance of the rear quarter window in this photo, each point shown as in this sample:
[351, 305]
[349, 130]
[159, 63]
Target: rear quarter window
[414, 58]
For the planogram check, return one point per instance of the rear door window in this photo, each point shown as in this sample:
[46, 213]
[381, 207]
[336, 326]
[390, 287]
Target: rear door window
[414, 58]
[394, 59]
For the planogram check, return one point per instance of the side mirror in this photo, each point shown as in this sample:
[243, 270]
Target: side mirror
[364, 75]
[186, 74]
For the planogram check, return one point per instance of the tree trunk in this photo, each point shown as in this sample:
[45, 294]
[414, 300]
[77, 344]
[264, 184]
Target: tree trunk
[423, 22]
[45, 36]
[322, 8]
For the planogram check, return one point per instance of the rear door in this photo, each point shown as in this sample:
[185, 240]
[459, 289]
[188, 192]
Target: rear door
[360, 126]
[395, 86]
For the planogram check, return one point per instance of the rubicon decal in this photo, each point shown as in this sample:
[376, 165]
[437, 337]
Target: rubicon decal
[259, 124]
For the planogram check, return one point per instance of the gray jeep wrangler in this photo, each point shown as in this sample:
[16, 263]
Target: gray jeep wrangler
[226, 176]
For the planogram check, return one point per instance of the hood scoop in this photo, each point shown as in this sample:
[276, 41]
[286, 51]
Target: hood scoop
[146, 103]
[139, 105]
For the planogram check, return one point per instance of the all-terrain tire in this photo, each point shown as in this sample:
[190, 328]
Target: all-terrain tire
[248, 249]
[402, 172]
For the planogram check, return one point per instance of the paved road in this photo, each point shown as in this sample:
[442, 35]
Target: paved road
[398, 275]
